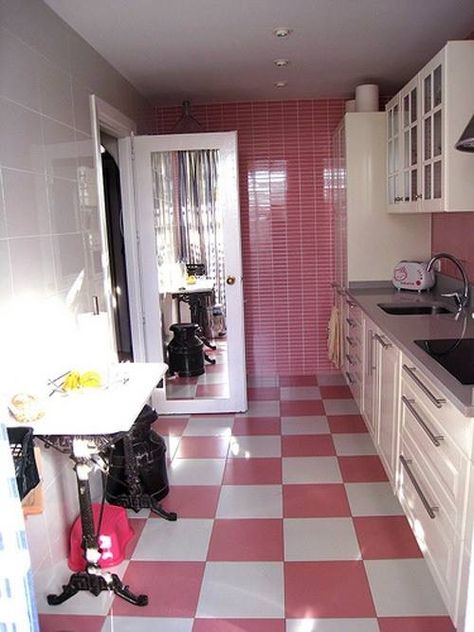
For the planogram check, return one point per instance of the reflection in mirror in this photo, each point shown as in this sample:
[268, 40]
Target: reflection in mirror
[191, 272]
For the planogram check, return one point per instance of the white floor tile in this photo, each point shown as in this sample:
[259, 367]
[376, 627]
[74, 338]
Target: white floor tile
[311, 469]
[254, 381]
[242, 447]
[250, 501]
[340, 407]
[180, 391]
[372, 499]
[304, 425]
[50, 581]
[242, 589]
[317, 539]
[146, 624]
[196, 471]
[355, 444]
[403, 588]
[331, 625]
[293, 393]
[184, 540]
[212, 378]
[262, 409]
[209, 426]
[331, 379]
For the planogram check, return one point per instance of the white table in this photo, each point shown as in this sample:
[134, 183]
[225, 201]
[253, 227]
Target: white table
[84, 421]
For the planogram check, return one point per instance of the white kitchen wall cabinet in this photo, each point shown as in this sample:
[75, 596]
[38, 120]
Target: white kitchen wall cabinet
[368, 242]
[425, 173]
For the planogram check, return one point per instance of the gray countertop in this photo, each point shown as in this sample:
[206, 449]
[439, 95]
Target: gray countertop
[403, 330]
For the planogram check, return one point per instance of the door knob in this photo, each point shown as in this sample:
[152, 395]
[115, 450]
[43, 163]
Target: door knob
[230, 280]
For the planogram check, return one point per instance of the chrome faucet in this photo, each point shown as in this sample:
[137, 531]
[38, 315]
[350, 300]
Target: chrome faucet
[461, 300]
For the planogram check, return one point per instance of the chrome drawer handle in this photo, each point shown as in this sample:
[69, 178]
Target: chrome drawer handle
[379, 339]
[349, 377]
[350, 322]
[349, 359]
[350, 303]
[350, 341]
[435, 439]
[437, 401]
[430, 510]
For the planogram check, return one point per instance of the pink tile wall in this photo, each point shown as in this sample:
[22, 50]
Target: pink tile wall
[284, 150]
[452, 232]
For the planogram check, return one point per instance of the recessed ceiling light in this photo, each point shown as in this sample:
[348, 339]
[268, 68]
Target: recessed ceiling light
[281, 63]
[280, 84]
[282, 31]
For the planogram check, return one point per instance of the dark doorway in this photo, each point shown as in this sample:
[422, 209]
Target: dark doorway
[118, 270]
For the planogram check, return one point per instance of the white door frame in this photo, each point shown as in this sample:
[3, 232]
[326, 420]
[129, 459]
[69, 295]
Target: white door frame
[110, 120]
[226, 143]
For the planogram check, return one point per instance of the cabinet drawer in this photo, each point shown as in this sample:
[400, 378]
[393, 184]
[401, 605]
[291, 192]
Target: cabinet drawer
[443, 456]
[436, 536]
[448, 417]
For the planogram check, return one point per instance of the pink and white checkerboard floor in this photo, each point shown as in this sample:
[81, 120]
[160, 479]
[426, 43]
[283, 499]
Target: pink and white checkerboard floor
[286, 524]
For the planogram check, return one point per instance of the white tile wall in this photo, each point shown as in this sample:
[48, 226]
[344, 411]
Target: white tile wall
[47, 233]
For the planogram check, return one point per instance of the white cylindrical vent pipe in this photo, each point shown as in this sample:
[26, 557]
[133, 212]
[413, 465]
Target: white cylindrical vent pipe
[367, 98]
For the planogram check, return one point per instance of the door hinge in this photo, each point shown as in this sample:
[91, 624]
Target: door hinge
[143, 320]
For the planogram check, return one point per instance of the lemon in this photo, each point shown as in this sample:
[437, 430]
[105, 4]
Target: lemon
[90, 379]
[72, 381]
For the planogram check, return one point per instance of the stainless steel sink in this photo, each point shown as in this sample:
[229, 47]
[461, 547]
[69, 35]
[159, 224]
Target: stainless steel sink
[413, 310]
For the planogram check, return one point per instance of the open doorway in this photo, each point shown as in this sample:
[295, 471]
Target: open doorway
[116, 246]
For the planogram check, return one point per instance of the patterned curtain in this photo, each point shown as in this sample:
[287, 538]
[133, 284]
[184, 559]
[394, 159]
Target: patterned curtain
[200, 219]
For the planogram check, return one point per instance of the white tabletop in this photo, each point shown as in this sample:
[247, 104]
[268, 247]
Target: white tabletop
[99, 411]
[201, 285]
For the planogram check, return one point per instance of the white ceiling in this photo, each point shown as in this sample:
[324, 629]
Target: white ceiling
[222, 50]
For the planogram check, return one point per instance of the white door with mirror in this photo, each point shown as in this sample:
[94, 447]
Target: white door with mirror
[189, 253]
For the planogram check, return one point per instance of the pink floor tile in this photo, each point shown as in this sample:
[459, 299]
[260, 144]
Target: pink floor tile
[346, 424]
[416, 624]
[307, 445]
[335, 392]
[315, 501]
[212, 390]
[192, 501]
[269, 393]
[172, 588]
[239, 625]
[298, 380]
[70, 623]
[217, 368]
[178, 381]
[202, 447]
[248, 426]
[259, 471]
[362, 469]
[172, 426]
[302, 407]
[246, 540]
[385, 537]
[137, 525]
[327, 590]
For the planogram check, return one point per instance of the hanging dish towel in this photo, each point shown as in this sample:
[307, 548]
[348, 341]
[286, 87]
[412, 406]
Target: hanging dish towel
[334, 338]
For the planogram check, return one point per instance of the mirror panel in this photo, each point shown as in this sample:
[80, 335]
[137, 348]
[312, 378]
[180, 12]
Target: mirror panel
[189, 243]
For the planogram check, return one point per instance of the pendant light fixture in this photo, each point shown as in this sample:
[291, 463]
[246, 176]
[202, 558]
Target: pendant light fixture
[187, 124]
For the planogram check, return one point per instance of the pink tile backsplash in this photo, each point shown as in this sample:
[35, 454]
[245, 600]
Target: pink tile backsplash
[451, 232]
[284, 150]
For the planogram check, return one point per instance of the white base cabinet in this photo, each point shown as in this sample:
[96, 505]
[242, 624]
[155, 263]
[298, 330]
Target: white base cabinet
[381, 394]
[426, 446]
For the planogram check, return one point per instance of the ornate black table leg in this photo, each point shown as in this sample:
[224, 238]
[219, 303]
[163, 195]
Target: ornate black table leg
[92, 579]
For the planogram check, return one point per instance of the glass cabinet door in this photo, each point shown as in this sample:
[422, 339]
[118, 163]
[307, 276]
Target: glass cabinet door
[410, 173]
[432, 132]
[393, 149]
